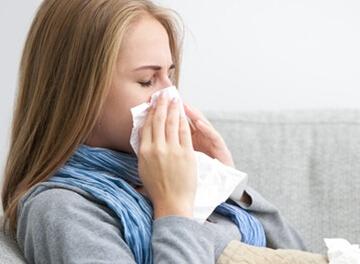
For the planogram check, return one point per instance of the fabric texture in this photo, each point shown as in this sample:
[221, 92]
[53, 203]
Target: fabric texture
[64, 224]
[306, 162]
[100, 171]
[240, 253]
[58, 225]
[9, 250]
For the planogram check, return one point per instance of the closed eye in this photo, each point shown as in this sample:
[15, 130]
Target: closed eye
[150, 83]
[145, 84]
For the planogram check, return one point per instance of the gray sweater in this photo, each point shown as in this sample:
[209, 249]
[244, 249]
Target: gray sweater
[61, 224]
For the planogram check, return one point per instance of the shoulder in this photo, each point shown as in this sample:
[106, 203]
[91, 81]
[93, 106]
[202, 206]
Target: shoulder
[55, 203]
[60, 208]
[65, 219]
[77, 226]
[54, 199]
[47, 202]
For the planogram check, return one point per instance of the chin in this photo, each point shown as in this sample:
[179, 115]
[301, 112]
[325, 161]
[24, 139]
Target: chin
[126, 149]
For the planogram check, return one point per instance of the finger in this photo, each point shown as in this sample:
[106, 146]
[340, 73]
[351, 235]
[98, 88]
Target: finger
[192, 126]
[194, 114]
[159, 118]
[209, 132]
[184, 132]
[145, 131]
[172, 122]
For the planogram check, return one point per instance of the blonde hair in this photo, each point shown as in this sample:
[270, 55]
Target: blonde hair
[64, 76]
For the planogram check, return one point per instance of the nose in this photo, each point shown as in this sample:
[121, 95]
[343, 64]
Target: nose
[166, 82]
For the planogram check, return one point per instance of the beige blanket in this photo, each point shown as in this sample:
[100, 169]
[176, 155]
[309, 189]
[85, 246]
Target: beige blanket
[240, 253]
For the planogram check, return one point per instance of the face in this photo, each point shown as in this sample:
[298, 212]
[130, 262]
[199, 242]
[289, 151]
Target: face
[144, 66]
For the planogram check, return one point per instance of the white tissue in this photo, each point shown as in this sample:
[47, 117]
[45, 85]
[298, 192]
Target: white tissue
[216, 182]
[340, 251]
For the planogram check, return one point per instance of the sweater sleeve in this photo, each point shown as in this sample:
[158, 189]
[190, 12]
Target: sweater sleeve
[279, 233]
[62, 226]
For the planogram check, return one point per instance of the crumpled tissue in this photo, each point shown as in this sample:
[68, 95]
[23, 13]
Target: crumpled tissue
[340, 251]
[216, 182]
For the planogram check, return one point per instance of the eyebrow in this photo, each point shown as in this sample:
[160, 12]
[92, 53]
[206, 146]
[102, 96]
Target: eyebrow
[153, 67]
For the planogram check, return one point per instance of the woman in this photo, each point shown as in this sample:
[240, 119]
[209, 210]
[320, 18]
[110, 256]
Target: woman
[84, 65]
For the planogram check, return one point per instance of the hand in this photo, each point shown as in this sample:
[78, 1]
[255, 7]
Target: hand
[206, 139]
[167, 162]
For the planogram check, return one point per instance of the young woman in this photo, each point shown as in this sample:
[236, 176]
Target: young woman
[74, 191]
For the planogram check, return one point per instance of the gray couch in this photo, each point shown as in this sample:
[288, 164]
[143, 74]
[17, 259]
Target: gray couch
[306, 162]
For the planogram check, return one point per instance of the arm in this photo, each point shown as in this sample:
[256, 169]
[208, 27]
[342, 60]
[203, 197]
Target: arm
[62, 226]
[184, 239]
[279, 234]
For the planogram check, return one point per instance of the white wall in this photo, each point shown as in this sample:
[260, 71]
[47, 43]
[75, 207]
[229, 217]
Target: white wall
[239, 54]
[269, 54]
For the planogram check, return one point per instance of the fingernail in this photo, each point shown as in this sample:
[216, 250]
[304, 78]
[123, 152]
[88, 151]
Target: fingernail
[174, 100]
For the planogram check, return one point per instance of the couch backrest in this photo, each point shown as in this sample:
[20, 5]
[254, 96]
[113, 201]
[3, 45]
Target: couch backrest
[306, 162]
[9, 250]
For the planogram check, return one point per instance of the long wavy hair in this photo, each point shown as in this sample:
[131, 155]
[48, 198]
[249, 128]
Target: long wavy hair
[64, 76]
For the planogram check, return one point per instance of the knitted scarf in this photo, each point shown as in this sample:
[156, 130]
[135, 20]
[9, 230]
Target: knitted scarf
[112, 176]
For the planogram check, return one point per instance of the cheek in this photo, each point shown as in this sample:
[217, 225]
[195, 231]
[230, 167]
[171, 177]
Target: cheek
[120, 100]
[117, 115]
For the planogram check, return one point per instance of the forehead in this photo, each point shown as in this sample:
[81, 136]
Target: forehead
[145, 42]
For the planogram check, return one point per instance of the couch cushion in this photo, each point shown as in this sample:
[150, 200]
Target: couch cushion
[306, 162]
[9, 251]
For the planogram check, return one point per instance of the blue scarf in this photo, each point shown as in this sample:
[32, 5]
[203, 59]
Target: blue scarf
[111, 177]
